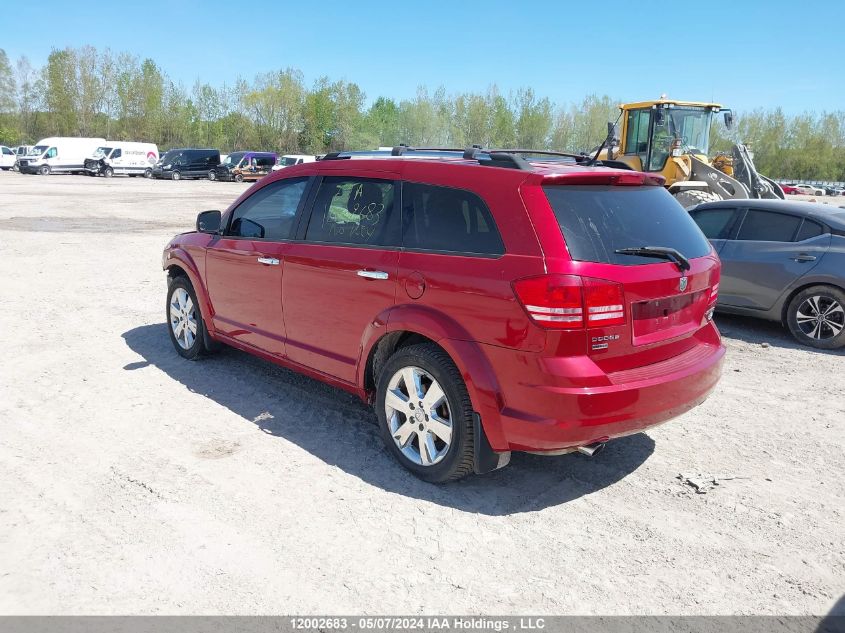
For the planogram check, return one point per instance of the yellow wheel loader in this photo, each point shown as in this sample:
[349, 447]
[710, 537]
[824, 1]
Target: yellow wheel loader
[672, 138]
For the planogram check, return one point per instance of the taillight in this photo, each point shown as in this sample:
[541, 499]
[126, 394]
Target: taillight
[553, 301]
[604, 302]
[714, 293]
[563, 301]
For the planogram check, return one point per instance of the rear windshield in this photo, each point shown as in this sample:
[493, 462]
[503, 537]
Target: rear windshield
[596, 221]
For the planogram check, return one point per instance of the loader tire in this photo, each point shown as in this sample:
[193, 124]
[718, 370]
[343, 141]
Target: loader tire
[692, 197]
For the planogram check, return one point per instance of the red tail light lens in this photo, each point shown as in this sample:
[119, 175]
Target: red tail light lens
[714, 293]
[571, 302]
[605, 303]
[553, 301]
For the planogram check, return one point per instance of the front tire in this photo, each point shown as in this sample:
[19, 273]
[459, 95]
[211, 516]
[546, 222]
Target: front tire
[692, 197]
[425, 413]
[816, 317]
[44, 170]
[184, 320]
[108, 172]
[175, 176]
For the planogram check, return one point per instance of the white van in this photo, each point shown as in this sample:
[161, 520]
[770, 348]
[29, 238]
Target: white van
[122, 157]
[292, 159]
[59, 154]
[7, 157]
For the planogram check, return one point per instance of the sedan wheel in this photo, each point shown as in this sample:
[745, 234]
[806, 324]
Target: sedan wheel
[816, 317]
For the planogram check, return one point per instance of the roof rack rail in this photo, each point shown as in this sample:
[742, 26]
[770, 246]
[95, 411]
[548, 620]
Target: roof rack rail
[544, 152]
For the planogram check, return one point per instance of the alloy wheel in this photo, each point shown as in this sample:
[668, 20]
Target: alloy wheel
[419, 416]
[183, 318]
[820, 317]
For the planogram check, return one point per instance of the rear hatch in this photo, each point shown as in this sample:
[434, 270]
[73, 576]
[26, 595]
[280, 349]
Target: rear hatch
[640, 307]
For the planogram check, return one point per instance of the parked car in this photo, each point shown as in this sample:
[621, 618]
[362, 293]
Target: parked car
[244, 166]
[7, 158]
[122, 157]
[790, 190]
[809, 190]
[288, 160]
[176, 164]
[830, 190]
[59, 154]
[782, 261]
[504, 305]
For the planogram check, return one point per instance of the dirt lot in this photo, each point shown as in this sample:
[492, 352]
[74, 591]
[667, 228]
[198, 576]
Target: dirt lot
[132, 481]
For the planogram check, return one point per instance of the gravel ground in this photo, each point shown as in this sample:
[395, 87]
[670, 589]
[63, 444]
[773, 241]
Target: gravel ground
[132, 481]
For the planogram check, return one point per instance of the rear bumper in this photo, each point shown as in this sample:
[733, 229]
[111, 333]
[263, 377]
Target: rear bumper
[548, 417]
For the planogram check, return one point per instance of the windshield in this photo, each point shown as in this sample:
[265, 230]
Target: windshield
[169, 157]
[233, 159]
[103, 151]
[598, 221]
[691, 126]
[38, 150]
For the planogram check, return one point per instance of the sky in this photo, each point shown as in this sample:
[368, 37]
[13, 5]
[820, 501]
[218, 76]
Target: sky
[741, 53]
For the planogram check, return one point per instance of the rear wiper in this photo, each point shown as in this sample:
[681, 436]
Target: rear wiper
[661, 252]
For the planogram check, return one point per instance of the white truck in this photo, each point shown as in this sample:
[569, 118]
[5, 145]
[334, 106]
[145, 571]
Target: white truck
[59, 154]
[122, 157]
[287, 160]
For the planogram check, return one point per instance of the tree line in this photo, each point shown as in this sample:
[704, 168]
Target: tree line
[90, 92]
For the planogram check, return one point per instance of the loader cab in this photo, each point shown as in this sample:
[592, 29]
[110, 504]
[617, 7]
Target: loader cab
[654, 131]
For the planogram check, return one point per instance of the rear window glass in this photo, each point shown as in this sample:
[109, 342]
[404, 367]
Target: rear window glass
[446, 219]
[766, 226]
[597, 221]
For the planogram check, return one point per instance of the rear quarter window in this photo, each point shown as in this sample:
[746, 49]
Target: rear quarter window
[596, 221]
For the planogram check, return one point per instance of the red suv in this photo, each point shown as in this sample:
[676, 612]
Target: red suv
[482, 301]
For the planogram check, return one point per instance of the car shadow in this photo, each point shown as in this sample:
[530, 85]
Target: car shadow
[759, 331]
[341, 430]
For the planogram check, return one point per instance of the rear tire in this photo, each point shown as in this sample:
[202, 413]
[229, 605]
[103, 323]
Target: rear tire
[816, 317]
[429, 432]
[148, 173]
[692, 197]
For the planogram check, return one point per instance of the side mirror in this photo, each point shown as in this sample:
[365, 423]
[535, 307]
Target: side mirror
[209, 222]
[729, 119]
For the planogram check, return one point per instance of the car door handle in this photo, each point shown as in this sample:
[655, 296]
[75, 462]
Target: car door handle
[270, 261]
[372, 274]
[803, 257]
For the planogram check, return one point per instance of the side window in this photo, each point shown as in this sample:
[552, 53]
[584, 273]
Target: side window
[354, 211]
[636, 136]
[809, 229]
[8, 152]
[117, 153]
[52, 153]
[446, 219]
[716, 224]
[268, 213]
[767, 226]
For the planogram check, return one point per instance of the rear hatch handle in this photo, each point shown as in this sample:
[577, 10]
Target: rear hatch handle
[660, 252]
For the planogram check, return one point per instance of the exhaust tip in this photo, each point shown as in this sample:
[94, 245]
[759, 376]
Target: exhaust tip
[590, 449]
